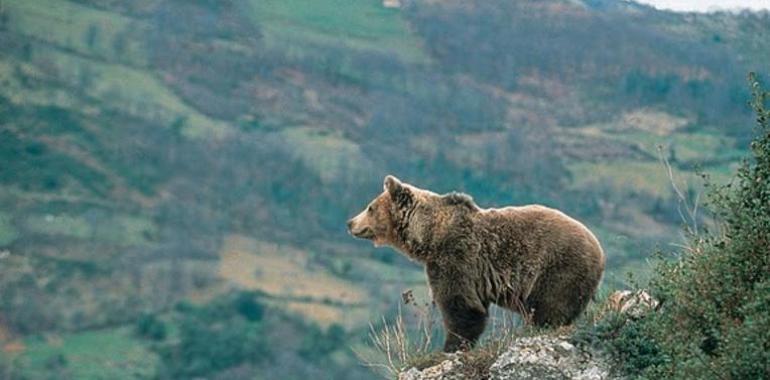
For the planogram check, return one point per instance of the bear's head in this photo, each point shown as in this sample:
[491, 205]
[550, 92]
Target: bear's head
[404, 216]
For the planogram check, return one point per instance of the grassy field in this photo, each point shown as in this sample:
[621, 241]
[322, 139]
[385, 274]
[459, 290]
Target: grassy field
[659, 135]
[96, 354]
[103, 69]
[645, 177]
[107, 214]
[358, 24]
[81, 29]
[286, 274]
[8, 232]
[330, 155]
[133, 91]
[117, 229]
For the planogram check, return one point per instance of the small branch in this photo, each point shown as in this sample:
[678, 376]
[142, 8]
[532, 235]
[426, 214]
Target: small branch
[691, 218]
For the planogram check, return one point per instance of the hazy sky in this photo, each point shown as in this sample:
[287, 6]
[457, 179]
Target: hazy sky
[707, 5]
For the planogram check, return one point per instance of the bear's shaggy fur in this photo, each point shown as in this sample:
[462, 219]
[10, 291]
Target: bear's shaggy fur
[530, 259]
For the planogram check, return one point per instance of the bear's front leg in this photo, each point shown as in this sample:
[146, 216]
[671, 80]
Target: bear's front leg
[464, 322]
[464, 314]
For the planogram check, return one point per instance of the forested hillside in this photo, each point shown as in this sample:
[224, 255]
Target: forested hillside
[175, 175]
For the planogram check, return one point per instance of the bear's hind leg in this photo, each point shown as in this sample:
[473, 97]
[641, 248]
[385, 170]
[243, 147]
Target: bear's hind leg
[554, 309]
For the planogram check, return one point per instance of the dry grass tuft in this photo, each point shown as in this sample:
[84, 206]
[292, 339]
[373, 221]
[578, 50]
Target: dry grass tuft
[397, 345]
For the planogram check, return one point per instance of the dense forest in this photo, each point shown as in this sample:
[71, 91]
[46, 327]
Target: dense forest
[176, 174]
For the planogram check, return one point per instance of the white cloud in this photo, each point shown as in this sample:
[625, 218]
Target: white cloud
[707, 5]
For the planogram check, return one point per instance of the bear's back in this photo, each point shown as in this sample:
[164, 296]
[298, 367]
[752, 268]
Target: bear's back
[536, 222]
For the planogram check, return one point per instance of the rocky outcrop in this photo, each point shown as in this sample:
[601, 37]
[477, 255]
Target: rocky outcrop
[546, 357]
[538, 357]
[450, 369]
[543, 357]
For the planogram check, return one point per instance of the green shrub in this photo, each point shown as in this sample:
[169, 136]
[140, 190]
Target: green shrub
[248, 307]
[317, 344]
[715, 298]
[151, 327]
[215, 337]
[714, 319]
[625, 339]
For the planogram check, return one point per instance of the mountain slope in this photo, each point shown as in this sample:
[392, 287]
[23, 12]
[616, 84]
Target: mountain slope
[140, 139]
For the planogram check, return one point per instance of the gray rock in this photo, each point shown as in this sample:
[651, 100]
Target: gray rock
[446, 370]
[632, 303]
[564, 348]
[539, 357]
[547, 357]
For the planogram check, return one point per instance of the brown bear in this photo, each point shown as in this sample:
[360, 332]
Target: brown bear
[531, 259]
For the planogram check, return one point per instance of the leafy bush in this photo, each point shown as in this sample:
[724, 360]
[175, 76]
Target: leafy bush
[248, 307]
[6, 366]
[215, 337]
[151, 327]
[624, 339]
[241, 335]
[317, 344]
[714, 322]
[716, 297]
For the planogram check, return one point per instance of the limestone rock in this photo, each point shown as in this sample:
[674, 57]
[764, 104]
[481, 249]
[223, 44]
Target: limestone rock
[538, 357]
[446, 370]
[546, 357]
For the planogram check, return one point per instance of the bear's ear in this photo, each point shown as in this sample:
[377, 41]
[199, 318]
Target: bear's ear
[392, 185]
[399, 193]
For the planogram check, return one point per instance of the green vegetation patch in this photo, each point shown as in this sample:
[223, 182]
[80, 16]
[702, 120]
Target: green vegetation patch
[132, 91]
[61, 225]
[18, 84]
[641, 177]
[358, 24]
[327, 153]
[712, 318]
[118, 229]
[33, 165]
[694, 147]
[129, 230]
[100, 354]
[645, 177]
[8, 232]
[77, 27]
[213, 338]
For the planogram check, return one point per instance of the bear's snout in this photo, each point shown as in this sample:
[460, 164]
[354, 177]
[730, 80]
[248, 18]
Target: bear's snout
[359, 228]
[350, 226]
